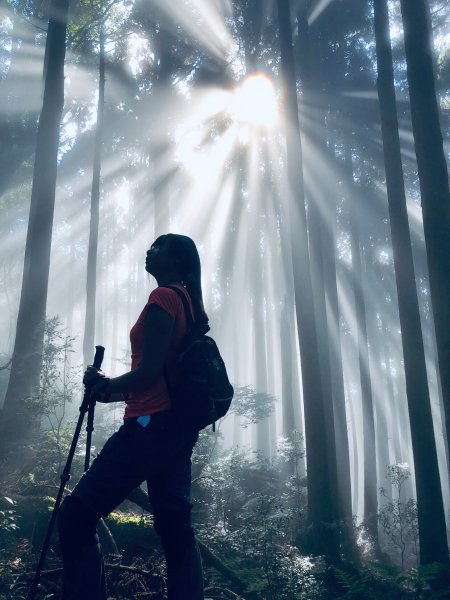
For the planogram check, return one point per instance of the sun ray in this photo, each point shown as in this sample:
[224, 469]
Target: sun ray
[203, 21]
[317, 10]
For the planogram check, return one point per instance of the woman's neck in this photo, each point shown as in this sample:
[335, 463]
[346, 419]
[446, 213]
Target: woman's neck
[168, 281]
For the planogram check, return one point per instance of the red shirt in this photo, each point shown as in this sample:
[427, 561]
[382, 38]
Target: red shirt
[156, 398]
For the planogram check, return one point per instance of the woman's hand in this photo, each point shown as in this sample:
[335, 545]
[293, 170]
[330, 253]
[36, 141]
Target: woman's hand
[97, 383]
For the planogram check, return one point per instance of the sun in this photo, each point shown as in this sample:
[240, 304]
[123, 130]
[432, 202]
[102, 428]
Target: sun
[255, 101]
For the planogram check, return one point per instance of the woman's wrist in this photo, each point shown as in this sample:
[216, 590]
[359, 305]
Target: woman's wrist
[128, 382]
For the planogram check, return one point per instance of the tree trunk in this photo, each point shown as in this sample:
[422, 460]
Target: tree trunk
[317, 216]
[17, 418]
[370, 471]
[163, 150]
[336, 362]
[91, 281]
[321, 219]
[430, 507]
[434, 185]
[287, 393]
[382, 433]
[259, 340]
[320, 508]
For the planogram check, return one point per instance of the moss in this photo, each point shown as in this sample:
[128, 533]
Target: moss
[134, 534]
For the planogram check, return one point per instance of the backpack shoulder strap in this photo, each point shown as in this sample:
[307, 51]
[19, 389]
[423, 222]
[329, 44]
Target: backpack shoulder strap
[187, 308]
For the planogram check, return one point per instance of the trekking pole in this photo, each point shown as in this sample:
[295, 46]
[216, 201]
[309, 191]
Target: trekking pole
[65, 476]
[89, 430]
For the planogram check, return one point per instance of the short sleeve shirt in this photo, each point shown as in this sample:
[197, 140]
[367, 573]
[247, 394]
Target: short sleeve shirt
[156, 398]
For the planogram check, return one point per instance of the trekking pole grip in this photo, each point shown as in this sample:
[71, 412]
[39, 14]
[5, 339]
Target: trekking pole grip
[98, 358]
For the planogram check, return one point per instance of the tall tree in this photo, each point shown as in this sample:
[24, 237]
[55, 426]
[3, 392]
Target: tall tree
[430, 506]
[433, 178]
[370, 471]
[91, 280]
[320, 504]
[17, 419]
[321, 218]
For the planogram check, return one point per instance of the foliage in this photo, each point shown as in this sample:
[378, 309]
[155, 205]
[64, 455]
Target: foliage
[249, 510]
[51, 453]
[8, 517]
[354, 585]
[291, 451]
[251, 405]
[262, 535]
[59, 379]
[417, 582]
[59, 385]
[398, 518]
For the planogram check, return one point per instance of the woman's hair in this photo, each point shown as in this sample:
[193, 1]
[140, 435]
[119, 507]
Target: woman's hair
[183, 249]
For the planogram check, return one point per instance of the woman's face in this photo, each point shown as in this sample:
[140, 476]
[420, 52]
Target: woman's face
[158, 260]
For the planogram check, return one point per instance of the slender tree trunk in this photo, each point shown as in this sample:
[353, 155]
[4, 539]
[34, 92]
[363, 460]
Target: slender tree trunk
[353, 445]
[286, 373]
[17, 418]
[320, 506]
[430, 506]
[382, 435]
[259, 340]
[162, 154]
[396, 422]
[316, 216]
[292, 409]
[91, 281]
[336, 362]
[370, 471]
[321, 218]
[434, 185]
[115, 309]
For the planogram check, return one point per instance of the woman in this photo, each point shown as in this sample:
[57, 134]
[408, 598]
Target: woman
[148, 447]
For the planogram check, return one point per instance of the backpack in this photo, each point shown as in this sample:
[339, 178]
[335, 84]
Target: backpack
[202, 392]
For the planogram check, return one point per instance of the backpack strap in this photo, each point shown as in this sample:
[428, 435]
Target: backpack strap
[189, 319]
[187, 308]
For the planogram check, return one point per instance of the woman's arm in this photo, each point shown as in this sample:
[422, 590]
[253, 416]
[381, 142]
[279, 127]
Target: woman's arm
[158, 331]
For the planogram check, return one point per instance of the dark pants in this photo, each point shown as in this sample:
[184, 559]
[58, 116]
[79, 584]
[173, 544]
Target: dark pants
[159, 454]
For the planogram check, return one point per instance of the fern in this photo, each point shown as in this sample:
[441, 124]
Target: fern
[355, 586]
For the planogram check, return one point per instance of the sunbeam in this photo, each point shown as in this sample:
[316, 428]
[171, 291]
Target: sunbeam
[203, 21]
[317, 10]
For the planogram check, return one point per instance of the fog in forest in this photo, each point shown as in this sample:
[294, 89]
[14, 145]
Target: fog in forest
[304, 147]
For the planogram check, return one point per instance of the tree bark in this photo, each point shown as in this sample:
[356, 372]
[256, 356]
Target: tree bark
[17, 419]
[430, 506]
